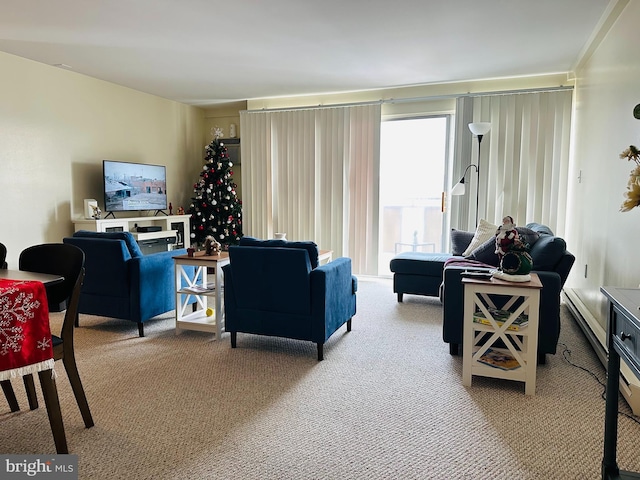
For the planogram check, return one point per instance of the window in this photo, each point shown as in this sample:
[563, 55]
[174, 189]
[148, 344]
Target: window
[413, 154]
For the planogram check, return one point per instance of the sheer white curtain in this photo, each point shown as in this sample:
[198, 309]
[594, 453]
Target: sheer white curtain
[313, 174]
[525, 157]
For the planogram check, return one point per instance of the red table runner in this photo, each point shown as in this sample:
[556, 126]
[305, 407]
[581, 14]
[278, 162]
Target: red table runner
[25, 335]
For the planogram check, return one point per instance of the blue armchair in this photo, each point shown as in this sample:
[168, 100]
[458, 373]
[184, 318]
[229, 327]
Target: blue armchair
[275, 287]
[120, 281]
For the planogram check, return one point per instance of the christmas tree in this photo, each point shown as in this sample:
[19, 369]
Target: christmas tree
[215, 210]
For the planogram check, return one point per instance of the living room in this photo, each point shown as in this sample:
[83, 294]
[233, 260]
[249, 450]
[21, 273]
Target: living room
[59, 125]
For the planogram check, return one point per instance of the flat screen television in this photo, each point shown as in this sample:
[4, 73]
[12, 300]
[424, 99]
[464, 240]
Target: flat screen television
[134, 186]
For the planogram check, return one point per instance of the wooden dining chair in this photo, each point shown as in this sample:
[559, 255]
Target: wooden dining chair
[68, 261]
[56, 259]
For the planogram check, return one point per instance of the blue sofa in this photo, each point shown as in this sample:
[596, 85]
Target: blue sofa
[120, 281]
[275, 287]
[437, 274]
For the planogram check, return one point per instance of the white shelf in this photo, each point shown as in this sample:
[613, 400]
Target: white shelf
[206, 286]
[154, 235]
[169, 225]
[197, 321]
[521, 344]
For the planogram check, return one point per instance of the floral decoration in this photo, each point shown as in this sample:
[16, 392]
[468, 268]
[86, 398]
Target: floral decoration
[632, 195]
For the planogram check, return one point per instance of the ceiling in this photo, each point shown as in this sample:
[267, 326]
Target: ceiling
[203, 52]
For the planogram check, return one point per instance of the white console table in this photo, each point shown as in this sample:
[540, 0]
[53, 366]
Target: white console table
[170, 225]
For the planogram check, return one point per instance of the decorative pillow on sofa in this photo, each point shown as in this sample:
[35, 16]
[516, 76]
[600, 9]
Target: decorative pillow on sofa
[486, 253]
[460, 240]
[484, 232]
[527, 235]
[129, 240]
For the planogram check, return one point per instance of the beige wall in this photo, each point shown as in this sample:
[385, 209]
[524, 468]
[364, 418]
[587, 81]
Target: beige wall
[56, 127]
[605, 240]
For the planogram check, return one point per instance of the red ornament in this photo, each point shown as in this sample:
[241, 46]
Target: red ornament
[200, 227]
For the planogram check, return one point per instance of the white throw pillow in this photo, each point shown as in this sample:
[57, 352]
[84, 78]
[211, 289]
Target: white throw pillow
[483, 233]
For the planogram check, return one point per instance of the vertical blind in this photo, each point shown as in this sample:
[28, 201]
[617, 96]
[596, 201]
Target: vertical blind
[524, 161]
[313, 174]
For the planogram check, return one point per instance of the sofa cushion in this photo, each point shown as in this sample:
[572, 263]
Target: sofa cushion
[309, 246]
[419, 263]
[460, 240]
[128, 238]
[484, 232]
[547, 252]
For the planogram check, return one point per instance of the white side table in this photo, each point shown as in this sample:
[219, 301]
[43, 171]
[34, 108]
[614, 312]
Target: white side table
[521, 344]
[201, 316]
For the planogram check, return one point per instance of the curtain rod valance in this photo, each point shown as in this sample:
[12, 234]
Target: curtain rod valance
[314, 107]
[413, 99]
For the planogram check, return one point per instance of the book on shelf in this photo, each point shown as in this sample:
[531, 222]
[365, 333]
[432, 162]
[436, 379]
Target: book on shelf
[501, 316]
[499, 359]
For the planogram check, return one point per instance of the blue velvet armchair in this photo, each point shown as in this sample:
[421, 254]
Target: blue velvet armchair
[276, 288]
[120, 281]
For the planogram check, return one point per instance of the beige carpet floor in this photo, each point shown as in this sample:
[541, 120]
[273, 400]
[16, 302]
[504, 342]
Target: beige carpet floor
[386, 403]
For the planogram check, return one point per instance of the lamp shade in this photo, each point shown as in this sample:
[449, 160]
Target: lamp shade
[458, 189]
[480, 128]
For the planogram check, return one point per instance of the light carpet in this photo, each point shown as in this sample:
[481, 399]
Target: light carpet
[386, 403]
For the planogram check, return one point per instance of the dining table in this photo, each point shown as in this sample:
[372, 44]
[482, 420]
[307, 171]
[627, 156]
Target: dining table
[25, 339]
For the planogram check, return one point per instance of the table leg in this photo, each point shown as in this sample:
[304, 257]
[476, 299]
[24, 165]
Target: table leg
[50, 394]
[219, 313]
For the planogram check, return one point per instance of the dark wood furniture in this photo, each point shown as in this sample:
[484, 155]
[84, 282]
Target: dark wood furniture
[623, 340]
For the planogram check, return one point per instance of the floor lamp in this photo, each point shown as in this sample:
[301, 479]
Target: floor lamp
[479, 129]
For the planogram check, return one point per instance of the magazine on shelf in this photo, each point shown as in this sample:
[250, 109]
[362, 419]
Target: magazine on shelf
[501, 316]
[499, 359]
[200, 289]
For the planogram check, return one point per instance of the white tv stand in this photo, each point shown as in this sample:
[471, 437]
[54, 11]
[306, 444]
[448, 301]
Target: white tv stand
[171, 226]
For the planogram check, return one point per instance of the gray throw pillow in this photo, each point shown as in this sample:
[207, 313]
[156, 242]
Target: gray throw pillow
[486, 253]
[460, 240]
[528, 236]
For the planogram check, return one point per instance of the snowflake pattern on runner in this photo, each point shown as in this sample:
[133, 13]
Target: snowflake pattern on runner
[17, 309]
[44, 343]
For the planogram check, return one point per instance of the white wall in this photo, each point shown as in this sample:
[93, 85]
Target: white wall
[603, 238]
[56, 127]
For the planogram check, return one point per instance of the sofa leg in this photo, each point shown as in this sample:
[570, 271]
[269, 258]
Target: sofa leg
[453, 349]
[349, 325]
[140, 329]
[320, 352]
[399, 297]
[233, 339]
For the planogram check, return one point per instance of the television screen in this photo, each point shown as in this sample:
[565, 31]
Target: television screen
[134, 186]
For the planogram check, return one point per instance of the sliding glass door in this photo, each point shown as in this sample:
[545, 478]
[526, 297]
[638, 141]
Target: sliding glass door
[413, 157]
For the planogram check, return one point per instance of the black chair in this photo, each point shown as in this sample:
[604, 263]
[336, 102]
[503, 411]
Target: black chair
[68, 261]
[57, 259]
[3, 256]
